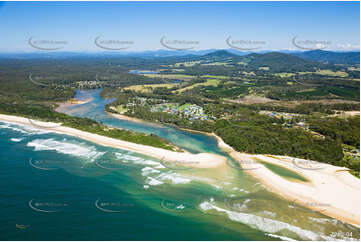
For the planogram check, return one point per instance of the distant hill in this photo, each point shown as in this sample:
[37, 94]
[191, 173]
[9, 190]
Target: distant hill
[269, 59]
[331, 56]
[277, 61]
[220, 55]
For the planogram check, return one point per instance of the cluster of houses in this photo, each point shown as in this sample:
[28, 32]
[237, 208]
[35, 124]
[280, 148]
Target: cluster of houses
[279, 115]
[191, 111]
[89, 84]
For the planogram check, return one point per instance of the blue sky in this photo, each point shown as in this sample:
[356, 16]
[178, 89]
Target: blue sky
[208, 24]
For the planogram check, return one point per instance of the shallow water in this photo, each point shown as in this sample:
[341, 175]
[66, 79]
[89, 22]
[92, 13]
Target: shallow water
[57, 187]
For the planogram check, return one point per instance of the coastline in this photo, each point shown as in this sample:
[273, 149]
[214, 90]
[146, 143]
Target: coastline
[331, 190]
[333, 194]
[201, 160]
[125, 117]
[70, 102]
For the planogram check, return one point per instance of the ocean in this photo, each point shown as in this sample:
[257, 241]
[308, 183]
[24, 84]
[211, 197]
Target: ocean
[57, 187]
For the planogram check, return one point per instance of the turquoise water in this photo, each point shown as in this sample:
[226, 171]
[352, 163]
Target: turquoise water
[57, 187]
[94, 109]
[74, 184]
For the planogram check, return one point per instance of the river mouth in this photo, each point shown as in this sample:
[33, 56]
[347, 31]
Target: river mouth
[193, 142]
[226, 195]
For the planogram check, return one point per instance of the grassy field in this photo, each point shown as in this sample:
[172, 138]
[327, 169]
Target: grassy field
[216, 77]
[248, 73]
[332, 73]
[284, 74]
[304, 72]
[209, 82]
[216, 64]
[119, 109]
[187, 64]
[148, 87]
[171, 76]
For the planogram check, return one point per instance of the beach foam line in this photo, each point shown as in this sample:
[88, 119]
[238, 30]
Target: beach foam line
[66, 147]
[27, 130]
[16, 139]
[201, 160]
[126, 158]
[335, 194]
[264, 224]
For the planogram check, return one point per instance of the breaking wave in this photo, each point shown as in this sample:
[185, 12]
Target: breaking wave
[65, 147]
[24, 129]
[264, 224]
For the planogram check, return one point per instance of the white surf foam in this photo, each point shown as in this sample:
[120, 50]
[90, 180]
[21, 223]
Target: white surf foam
[24, 129]
[323, 220]
[264, 224]
[153, 182]
[270, 214]
[65, 147]
[239, 189]
[137, 160]
[173, 177]
[149, 170]
[280, 237]
[16, 139]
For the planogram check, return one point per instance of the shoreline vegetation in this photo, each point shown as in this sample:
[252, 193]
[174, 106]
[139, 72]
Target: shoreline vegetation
[245, 134]
[331, 190]
[318, 194]
[203, 160]
[312, 137]
[47, 114]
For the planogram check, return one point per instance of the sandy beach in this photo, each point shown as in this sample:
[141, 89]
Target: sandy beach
[331, 190]
[125, 117]
[201, 160]
[69, 103]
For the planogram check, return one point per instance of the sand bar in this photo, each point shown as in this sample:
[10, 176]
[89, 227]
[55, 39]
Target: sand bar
[201, 160]
[331, 190]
